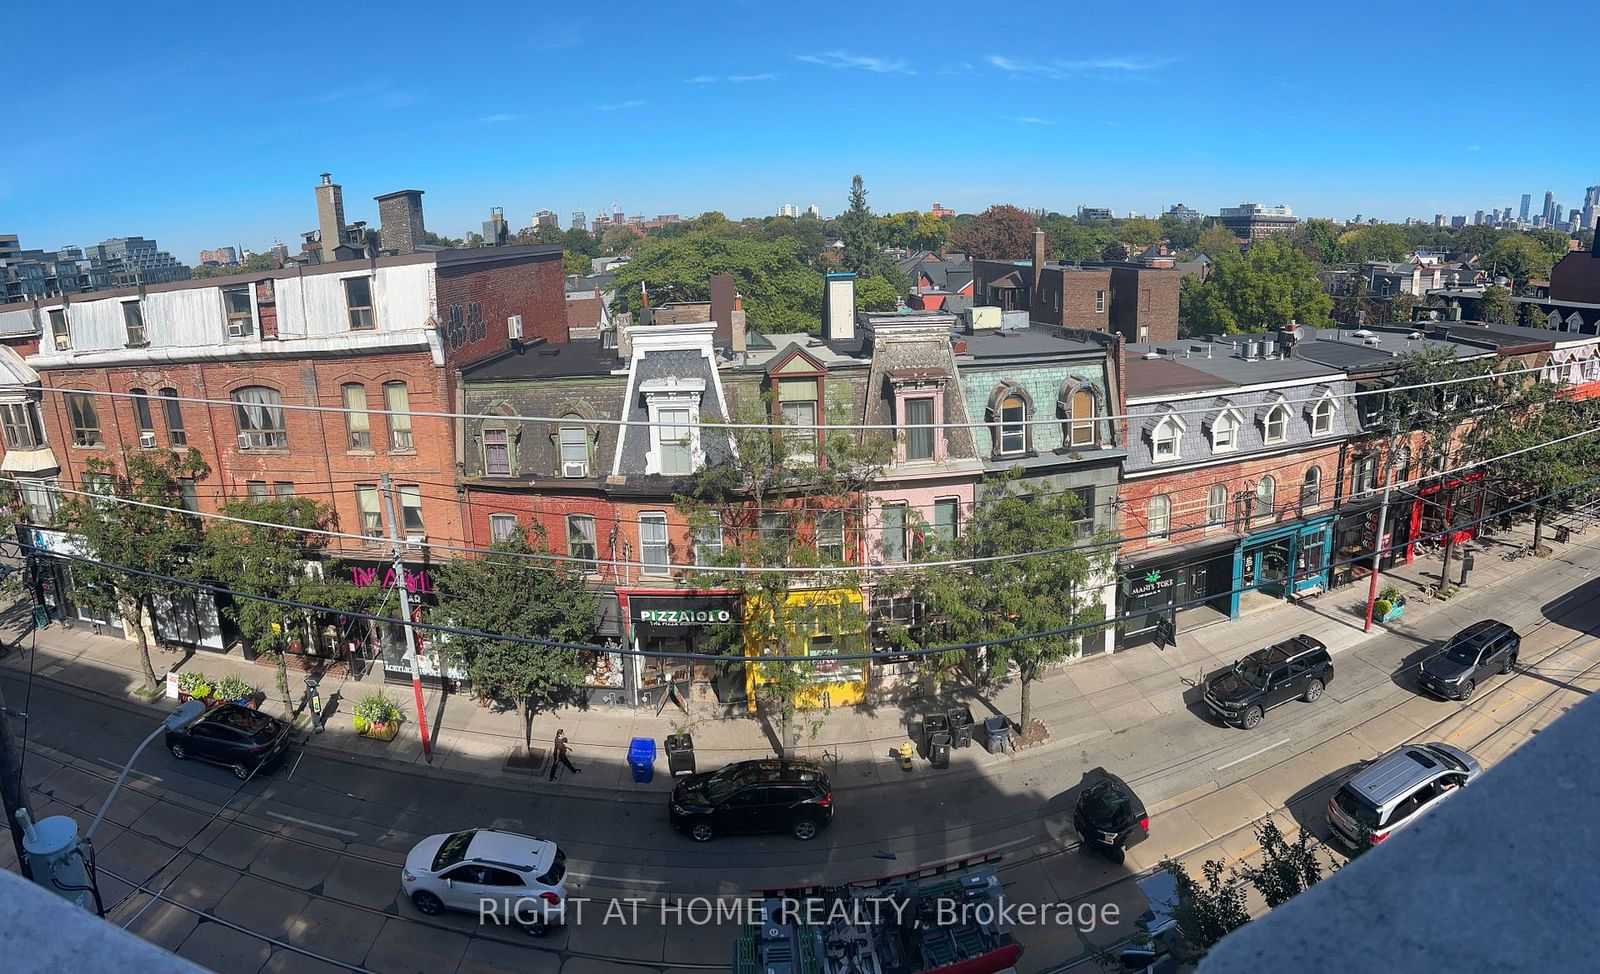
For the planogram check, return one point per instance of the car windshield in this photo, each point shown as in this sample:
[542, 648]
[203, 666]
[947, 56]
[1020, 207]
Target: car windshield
[1251, 672]
[453, 850]
[1104, 803]
[725, 783]
[1352, 805]
[1449, 759]
[1465, 651]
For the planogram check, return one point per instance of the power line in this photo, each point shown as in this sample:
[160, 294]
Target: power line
[712, 657]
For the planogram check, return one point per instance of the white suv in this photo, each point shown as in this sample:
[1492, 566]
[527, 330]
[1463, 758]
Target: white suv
[1396, 790]
[500, 876]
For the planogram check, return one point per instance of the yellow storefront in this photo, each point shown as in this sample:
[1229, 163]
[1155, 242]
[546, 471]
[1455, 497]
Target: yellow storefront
[821, 622]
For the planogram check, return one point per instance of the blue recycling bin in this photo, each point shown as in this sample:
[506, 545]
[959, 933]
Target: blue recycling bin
[642, 759]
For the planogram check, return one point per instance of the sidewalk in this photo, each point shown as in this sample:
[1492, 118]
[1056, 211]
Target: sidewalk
[1082, 701]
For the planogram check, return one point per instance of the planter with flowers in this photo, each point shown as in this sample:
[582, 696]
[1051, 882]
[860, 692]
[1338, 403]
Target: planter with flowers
[231, 689]
[194, 685]
[377, 716]
[1390, 606]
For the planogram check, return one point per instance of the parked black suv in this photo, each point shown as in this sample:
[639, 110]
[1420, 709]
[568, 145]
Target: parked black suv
[754, 796]
[236, 737]
[1482, 649]
[1297, 667]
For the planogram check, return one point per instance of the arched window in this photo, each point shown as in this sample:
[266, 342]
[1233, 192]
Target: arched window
[1217, 504]
[357, 424]
[1225, 432]
[1083, 421]
[1266, 496]
[1164, 440]
[1311, 489]
[1277, 426]
[170, 407]
[141, 413]
[1160, 516]
[1013, 426]
[1321, 417]
[259, 412]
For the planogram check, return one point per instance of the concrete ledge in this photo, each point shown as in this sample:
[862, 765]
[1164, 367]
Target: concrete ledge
[40, 933]
[1499, 878]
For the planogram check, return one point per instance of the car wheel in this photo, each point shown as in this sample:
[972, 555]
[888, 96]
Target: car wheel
[426, 903]
[1252, 717]
[1313, 691]
[1511, 663]
[536, 927]
[702, 832]
[179, 751]
[240, 771]
[805, 829]
[1467, 690]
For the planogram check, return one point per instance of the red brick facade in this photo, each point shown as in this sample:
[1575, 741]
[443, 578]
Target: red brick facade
[476, 299]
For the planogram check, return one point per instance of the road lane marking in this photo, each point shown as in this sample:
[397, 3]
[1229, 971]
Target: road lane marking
[1252, 754]
[619, 879]
[313, 825]
[142, 774]
[296, 767]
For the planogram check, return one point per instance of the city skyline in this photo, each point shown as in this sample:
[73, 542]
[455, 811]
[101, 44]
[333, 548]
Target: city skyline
[1135, 123]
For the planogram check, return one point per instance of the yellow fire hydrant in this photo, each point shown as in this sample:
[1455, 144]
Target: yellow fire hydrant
[908, 750]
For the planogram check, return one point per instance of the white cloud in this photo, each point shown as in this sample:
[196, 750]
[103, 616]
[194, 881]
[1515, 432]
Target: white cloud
[862, 62]
[620, 105]
[711, 79]
[1058, 69]
[1474, 148]
[741, 78]
[1030, 120]
[498, 118]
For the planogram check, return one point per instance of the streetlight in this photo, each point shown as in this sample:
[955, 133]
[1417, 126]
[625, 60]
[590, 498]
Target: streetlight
[55, 852]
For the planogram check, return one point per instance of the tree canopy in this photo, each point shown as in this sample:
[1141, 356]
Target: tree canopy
[1001, 232]
[782, 290]
[1217, 241]
[1267, 288]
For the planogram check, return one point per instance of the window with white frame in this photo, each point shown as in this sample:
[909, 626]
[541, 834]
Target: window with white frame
[1311, 488]
[797, 405]
[1159, 518]
[144, 419]
[38, 500]
[773, 527]
[133, 324]
[238, 312]
[397, 403]
[1217, 504]
[1322, 417]
[673, 407]
[1083, 419]
[946, 519]
[830, 536]
[411, 510]
[580, 537]
[918, 424]
[708, 539]
[502, 526]
[896, 533]
[1013, 426]
[259, 412]
[497, 452]
[1164, 438]
[1364, 474]
[1266, 496]
[357, 424]
[1277, 424]
[358, 302]
[367, 507]
[675, 449]
[1099, 302]
[573, 442]
[23, 430]
[1225, 432]
[653, 543]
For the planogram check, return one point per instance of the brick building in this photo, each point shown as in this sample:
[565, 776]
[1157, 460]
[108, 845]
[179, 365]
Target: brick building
[1133, 300]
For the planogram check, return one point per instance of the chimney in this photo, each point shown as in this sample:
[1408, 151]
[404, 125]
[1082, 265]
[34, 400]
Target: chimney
[1038, 263]
[738, 329]
[330, 215]
[400, 229]
[839, 306]
[722, 303]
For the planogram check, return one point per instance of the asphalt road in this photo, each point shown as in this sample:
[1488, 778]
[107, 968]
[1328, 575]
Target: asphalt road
[308, 856]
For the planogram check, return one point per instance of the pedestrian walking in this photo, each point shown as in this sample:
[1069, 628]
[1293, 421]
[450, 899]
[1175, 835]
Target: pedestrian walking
[558, 755]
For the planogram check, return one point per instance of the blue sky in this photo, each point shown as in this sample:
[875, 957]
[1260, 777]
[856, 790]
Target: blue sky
[207, 124]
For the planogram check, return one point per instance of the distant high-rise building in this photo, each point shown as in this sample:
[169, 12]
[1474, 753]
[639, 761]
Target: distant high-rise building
[1184, 212]
[1555, 216]
[1477, 218]
[1253, 221]
[1549, 212]
[220, 257]
[545, 218]
[1357, 219]
[816, 214]
[789, 209]
[1438, 219]
[279, 250]
[580, 220]
[1527, 201]
[1095, 214]
[132, 261]
[1457, 222]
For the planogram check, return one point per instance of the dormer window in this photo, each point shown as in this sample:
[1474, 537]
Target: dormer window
[59, 331]
[673, 405]
[1013, 426]
[1082, 431]
[1164, 438]
[918, 423]
[1225, 430]
[1276, 427]
[238, 311]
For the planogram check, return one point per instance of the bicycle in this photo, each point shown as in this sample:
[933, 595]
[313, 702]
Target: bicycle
[1521, 552]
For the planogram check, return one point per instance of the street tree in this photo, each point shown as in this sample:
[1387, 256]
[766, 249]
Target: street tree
[786, 498]
[1496, 306]
[267, 552]
[1519, 258]
[126, 547]
[1543, 448]
[1401, 306]
[1070, 240]
[1287, 868]
[1267, 288]
[1001, 232]
[1029, 597]
[507, 593]
[1217, 241]
[1533, 316]
[1205, 913]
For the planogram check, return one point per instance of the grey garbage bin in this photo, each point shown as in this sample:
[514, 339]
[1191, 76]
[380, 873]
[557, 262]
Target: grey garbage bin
[935, 723]
[960, 726]
[997, 734]
[939, 749]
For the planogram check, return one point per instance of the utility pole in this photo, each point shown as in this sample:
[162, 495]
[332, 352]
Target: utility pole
[414, 648]
[13, 789]
[1378, 546]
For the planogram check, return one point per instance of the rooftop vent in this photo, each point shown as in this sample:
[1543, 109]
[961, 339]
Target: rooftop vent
[1361, 333]
[1151, 354]
[1414, 335]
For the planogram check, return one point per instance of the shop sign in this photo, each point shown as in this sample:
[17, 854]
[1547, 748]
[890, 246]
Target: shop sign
[685, 617]
[1147, 584]
[57, 542]
[417, 581]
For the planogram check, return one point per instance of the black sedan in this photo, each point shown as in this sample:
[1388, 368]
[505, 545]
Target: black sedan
[1478, 651]
[1109, 816]
[242, 740]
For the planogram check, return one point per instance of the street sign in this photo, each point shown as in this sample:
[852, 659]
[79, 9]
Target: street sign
[1166, 630]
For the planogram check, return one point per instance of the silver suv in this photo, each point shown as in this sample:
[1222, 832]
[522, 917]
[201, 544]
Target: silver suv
[1395, 790]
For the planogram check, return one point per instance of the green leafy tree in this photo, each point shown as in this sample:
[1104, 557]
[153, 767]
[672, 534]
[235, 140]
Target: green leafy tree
[121, 541]
[1002, 232]
[1543, 447]
[1496, 306]
[1287, 869]
[474, 240]
[1115, 251]
[1055, 587]
[1267, 288]
[859, 231]
[1519, 258]
[1533, 316]
[772, 502]
[1180, 234]
[619, 240]
[1205, 913]
[1383, 241]
[782, 291]
[1401, 306]
[1138, 231]
[439, 240]
[876, 294]
[275, 558]
[506, 593]
[1217, 241]
[1319, 241]
[1072, 241]
[1478, 238]
[578, 264]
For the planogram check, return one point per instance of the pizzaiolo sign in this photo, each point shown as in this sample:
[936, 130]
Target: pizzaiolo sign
[685, 617]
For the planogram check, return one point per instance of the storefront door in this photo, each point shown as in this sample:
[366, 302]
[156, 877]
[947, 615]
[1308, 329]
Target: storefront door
[1266, 566]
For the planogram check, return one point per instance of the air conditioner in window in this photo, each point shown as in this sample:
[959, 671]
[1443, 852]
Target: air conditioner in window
[575, 468]
[244, 441]
[147, 440]
[63, 343]
[415, 541]
[238, 329]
